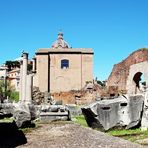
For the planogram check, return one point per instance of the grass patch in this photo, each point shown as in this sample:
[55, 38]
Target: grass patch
[132, 135]
[80, 120]
[6, 120]
[26, 130]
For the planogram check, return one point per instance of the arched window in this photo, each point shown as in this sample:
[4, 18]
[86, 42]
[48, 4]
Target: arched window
[64, 64]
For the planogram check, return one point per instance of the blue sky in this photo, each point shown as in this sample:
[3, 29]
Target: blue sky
[113, 28]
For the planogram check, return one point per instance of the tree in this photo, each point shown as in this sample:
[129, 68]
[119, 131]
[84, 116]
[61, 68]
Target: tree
[12, 64]
[29, 67]
[14, 95]
[101, 83]
[16, 64]
[6, 90]
[2, 90]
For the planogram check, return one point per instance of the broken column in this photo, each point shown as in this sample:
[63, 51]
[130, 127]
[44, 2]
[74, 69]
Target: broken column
[20, 84]
[25, 81]
[28, 98]
[24, 76]
[22, 112]
[34, 65]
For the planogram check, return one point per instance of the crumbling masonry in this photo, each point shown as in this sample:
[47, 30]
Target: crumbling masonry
[126, 75]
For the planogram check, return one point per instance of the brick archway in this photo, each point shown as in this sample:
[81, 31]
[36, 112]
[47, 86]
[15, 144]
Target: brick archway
[134, 77]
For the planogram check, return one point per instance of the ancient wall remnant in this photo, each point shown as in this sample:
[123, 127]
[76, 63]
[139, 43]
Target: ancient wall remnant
[88, 94]
[127, 74]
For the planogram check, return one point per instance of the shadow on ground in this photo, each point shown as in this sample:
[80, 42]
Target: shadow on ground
[11, 136]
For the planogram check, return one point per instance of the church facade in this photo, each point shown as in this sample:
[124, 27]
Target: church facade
[61, 68]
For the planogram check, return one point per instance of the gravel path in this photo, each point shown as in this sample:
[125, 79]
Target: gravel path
[68, 135]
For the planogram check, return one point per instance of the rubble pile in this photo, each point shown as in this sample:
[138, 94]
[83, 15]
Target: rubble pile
[52, 111]
[37, 96]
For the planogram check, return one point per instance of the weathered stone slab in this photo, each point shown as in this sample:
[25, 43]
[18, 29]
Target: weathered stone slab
[50, 113]
[144, 122]
[53, 116]
[135, 110]
[123, 111]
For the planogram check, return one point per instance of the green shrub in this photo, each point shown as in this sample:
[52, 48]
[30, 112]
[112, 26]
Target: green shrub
[14, 96]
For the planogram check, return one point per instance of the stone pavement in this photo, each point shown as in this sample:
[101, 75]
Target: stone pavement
[69, 135]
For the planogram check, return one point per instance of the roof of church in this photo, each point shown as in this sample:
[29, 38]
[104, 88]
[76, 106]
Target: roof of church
[60, 43]
[60, 47]
[66, 50]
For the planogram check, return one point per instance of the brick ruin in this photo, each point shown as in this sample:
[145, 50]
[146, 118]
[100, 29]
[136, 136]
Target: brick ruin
[84, 96]
[125, 75]
[124, 79]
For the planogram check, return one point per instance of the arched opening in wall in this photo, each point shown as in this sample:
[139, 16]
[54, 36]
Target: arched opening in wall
[140, 83]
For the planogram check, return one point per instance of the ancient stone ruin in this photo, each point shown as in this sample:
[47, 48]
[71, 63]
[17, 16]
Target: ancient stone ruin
[53, 111]
[28, 109]
[23, 111]
[127, 105]
[126, 75]
[124, 111]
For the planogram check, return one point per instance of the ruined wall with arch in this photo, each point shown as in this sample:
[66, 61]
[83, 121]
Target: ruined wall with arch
[123, 72]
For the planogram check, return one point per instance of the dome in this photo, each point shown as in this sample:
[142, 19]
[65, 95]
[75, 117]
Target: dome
[60, 43]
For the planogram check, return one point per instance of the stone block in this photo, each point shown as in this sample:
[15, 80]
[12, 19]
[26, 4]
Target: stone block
[124, 111]
[52, 116]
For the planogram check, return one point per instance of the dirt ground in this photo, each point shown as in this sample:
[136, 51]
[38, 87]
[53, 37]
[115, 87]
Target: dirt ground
[69, 135]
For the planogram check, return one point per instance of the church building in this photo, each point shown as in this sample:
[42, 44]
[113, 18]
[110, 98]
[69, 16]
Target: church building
[62, 68]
